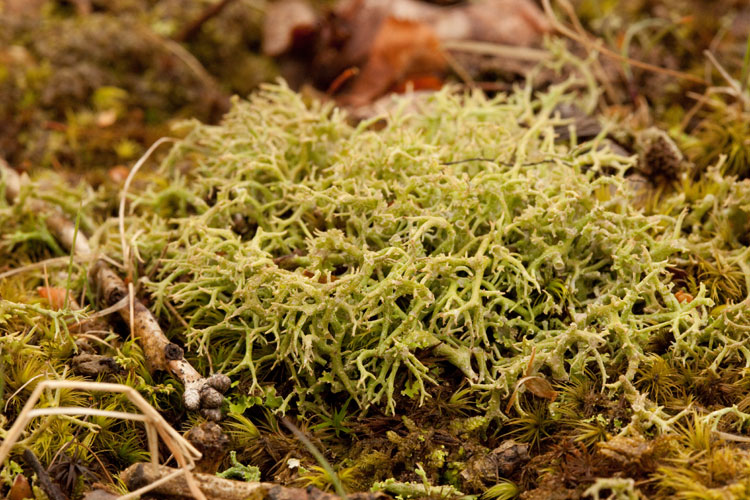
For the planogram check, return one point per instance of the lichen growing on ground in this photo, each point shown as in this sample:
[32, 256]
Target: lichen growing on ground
[455, 262]
[327, 258]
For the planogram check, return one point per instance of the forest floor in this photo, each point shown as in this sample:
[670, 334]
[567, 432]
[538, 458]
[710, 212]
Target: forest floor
[440, 250]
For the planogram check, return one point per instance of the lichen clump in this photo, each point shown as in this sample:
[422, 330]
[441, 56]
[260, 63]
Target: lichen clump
[320, 257]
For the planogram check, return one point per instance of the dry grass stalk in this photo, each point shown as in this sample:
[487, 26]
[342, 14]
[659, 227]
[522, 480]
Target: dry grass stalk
[165, 481]
[181, 449]
[217, 488]
[581, 36]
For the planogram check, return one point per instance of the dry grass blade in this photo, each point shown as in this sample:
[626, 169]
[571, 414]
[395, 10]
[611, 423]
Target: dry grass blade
[183, 451]
[582, 37]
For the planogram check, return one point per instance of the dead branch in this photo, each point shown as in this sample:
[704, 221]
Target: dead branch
[200, 393]
[216, 488]
[192, 29]
[52, 490]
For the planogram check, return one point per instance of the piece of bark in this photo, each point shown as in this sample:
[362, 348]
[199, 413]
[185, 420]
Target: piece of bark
[659, 158]
[503, 461]
[216, 488]
[93, 365]
[100, 495]
[203, 394]
[210, 440]
[52, 490]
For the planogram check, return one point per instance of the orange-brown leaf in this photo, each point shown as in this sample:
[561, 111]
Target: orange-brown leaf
[683, 296]
[55, 296]
[540, 387]
[401, 49]
[20, 489]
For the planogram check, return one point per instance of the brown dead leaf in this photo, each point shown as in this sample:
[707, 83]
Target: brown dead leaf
[391, 42]
[401, 50]
[539, 387]
[287, 24]
[20, 489]
[55, 296]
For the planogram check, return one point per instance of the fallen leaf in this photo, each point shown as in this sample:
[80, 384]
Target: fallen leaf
[287, 24]
[401, 49]
[20, 489]
[55, 296]
[539, 387]
[391, 41]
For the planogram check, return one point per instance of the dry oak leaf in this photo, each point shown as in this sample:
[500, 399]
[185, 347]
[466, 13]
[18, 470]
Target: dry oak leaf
[401, 49]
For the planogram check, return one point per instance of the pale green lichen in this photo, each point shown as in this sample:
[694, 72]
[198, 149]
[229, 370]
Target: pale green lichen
[238, 471]
[339, 256]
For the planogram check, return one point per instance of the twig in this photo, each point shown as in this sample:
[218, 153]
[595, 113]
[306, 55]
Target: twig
[496, 49]
[52, 490]
[317, 454]
[165, 482]
[505, 163]
[161, 354]
[193, 27]
[185, 325]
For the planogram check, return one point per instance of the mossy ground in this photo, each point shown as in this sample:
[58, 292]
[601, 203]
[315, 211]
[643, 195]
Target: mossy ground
[391, 288]
[448, 302]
